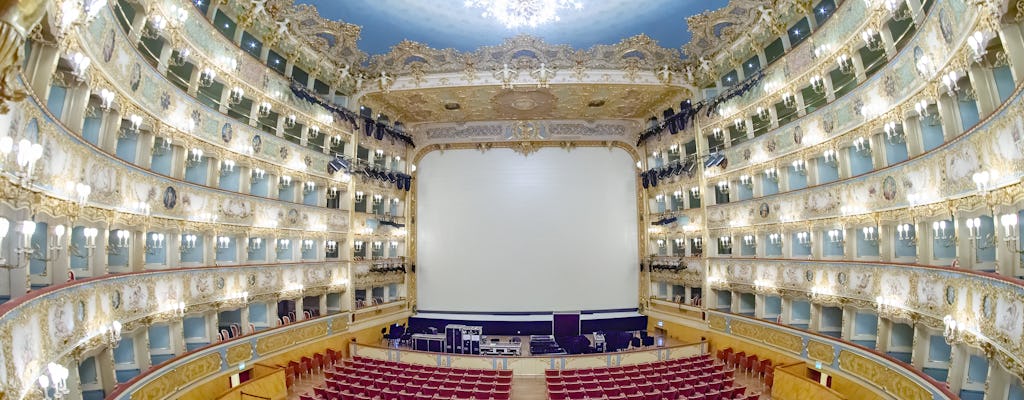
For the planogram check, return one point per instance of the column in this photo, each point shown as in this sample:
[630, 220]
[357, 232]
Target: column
[912, 134]
[888, 42]
[1013, 43]
[858, 66]
[877, 143]
[77, 103]
[984, 89]
[951, 126]
[164, 56]
[46, 59]
[214, 173]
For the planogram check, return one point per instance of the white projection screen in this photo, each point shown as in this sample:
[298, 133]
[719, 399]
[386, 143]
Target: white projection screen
[498, 231]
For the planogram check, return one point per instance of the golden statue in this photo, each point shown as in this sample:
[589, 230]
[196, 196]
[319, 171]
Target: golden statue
[17, 19]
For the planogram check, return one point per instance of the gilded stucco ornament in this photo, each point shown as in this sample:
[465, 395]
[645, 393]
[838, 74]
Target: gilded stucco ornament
[17, 18]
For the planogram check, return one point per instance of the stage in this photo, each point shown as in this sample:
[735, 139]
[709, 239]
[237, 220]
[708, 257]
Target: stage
[521, 324]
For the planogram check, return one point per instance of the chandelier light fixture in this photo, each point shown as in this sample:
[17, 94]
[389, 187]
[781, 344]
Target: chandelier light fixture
[523, 13]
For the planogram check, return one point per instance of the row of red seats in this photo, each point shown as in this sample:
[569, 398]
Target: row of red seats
[669, 394]
[645, 385]
[412, 375]
[690, 376]
[646, 368]
[764, 369]
[366, 378]
[415, 387]
[294, 370]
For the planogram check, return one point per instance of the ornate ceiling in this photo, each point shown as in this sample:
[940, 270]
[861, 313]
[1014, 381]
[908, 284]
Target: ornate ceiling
[449, 24]
[527, 102]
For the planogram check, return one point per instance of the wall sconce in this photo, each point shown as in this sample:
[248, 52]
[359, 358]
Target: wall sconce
[106, 99]
[112, 333]
[678, 195]
[179, 57]
[740, 124]
[284, 181]
[307, 244]
[308, 187]
[717, 133]
[54, 378]
[830, 157]
[257, 175]
[283, 244]
[332, 192]
[845, 64]
[872, 39]
[749, 240]
[57, 242]
[236, 95]
[788, 100]
[223, 242]
[800, 167]
[132, 127]
[24, 250]
[1009, 222]
[921, 107]
[746, 181]
[695, 192]
[79, 65]
[981, 180]
[156, 241]
[188, 242]
[679, 242]
[659, 198]
[380, 153]
[358, 246]
[974, 233]
[661, 243]
[254, 244]
[394, 246]
[950, 81]
[725, 243]
[771, 174]
[698, 243]
[893, 132]
[804, 238]
[377, 198]
[155, 25]
[207, 77]
[673, 149]
[335, 140]
[954, 332]
[870, 233]
[89, 233]
[359, 197]
[862, 146]
[161, 146]
[723, 187]
[195, 157]
[378, 245]
[27, 155]
[905, 232]
[818, 84]
[313, 131]
[123, 238]
[836, 236]
[942, 235]
[264, 109]
[763, 113]
[775, 239]
[227, 167]
[332, 246]
[978, 42]
[289, 121]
